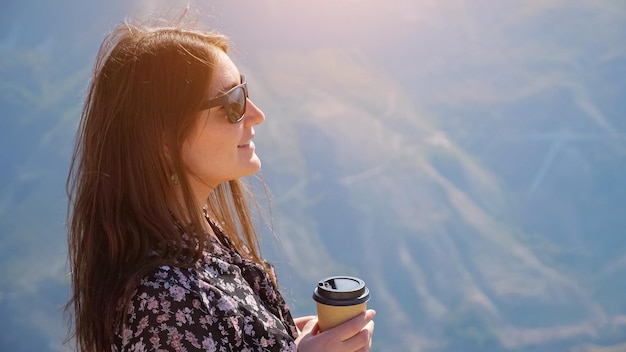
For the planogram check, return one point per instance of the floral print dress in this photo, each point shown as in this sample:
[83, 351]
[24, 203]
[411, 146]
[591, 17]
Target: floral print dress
[225, 303]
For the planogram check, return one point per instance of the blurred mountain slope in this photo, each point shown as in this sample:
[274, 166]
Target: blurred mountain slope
[389, 196]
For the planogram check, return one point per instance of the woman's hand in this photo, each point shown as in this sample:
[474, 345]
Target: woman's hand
[302, 321]
[355, 335]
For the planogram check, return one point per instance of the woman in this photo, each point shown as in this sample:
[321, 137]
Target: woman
[163, 251]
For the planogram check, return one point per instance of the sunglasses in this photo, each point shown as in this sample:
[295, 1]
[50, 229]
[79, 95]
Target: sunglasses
[234, 101]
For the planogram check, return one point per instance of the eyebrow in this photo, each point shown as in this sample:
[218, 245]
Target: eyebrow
[224, 90]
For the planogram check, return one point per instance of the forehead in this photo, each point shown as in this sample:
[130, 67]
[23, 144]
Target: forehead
[225, 75]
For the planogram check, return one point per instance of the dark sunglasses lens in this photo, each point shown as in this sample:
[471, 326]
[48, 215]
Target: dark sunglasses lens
[236, 105]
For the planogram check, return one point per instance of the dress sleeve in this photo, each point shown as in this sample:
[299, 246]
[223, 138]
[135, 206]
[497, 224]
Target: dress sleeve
[167, 316]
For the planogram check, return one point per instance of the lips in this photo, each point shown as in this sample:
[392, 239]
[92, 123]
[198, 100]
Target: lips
[248, 143]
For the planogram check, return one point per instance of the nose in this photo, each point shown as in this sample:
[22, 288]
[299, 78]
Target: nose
[254, 115]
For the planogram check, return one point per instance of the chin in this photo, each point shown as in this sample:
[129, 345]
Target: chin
[254, 167]
[256, 162]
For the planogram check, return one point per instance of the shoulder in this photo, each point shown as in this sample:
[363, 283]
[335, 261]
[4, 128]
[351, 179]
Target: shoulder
[175, 280]
[167, 283]
[212, 287]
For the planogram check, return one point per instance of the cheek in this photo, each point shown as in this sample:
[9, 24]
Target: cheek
[208, 151]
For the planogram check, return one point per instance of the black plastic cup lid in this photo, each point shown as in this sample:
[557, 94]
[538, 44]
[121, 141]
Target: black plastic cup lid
[341, 291]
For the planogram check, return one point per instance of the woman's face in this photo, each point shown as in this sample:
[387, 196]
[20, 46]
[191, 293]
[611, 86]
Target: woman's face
[216, 150]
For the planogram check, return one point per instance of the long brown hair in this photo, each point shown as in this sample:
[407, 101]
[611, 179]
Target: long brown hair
[147, 86]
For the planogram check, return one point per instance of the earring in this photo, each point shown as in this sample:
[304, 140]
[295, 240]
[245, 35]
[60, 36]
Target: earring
[174, 179]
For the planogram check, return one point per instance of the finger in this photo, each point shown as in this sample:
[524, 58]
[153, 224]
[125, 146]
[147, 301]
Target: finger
[311, 327]
[302, 321]
[362, 340]
[354, 325]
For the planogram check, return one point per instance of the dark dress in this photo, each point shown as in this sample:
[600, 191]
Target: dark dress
[224, 303]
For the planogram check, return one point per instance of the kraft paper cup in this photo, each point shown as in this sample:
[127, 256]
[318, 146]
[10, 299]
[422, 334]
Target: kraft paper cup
[339, 299]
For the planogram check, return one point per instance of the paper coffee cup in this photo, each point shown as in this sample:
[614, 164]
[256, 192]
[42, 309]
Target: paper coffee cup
[339, 299]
